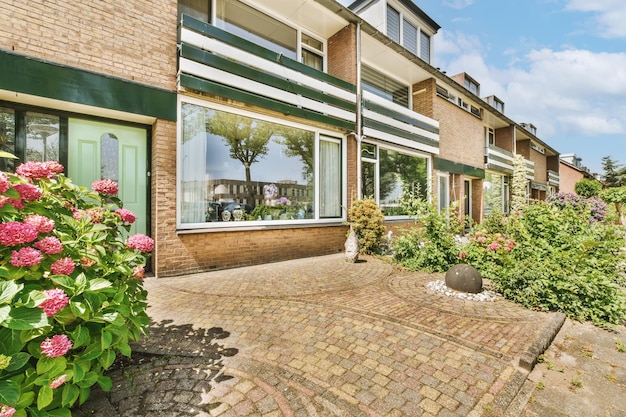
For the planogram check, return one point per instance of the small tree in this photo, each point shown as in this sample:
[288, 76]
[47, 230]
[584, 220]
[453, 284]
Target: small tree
[367, 221]
[616, 196]
[588, 188]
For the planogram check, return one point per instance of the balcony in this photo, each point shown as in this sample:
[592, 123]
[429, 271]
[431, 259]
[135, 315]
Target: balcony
[530, 170]
[499, 159]
[553, 178]
[216, 62]
[393, 123]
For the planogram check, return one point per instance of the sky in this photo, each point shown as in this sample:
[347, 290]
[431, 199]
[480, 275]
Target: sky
[558, 64]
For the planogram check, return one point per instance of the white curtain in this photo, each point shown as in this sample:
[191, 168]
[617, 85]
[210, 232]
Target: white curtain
[330, 178]
[194, 184]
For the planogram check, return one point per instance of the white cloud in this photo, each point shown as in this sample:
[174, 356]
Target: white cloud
[609, 16]
[458, 4]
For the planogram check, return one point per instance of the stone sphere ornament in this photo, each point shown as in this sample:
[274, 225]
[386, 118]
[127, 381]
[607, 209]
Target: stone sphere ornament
[464, 278]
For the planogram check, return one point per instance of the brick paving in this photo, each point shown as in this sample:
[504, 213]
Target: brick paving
[323, 337]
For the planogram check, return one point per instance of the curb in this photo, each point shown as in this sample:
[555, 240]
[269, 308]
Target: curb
[528, 360]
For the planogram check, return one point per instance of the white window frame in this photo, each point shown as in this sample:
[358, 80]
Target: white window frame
[254, 224]
[408, 18]
[440, 176]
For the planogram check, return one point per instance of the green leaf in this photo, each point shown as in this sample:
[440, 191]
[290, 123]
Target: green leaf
[9, 392]
[17, 361]
[53, 366]
[4, 313]
[60, 412]
[69, 395]
[106, 338]
[98, 284]
[91, 352]
[106, 383]
[44, 398]
[26, 399]
[8, 290]
[4, 154]
[23, 318]
[78, 309]
[107, 358]
[89, 379]
[84, 395]
[79, 372]
[80, 336]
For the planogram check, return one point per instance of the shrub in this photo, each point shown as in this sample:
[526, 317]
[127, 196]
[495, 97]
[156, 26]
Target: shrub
[588, 188]
[367, 221]
[552, 257]
[71, 295]
[616, 196]
[431, 245]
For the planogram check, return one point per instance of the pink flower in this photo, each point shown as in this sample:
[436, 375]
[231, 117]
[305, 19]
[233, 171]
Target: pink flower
[39, 170]
[481, 239]
[63, 266]
[126, 215]
[95, 215]
[5, 183]
[50, 245]
[15, 202]
[6, 411]
[28, 192]
[41, 223]
[510, 245]
[57, 345]
[58, 382]
[87, 262]
[139, 272]
[140, 242]
[462, 255]
[26, 257]
[16, 233]
[108, 187]
[55, 301]
[493, 246]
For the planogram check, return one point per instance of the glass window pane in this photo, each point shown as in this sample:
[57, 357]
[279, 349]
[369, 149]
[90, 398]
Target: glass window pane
[393, 24]
[330, 178]
[385, 87]
[7, 138]
[253, 25]
[444, 193]
[493, 193]
[232, 162]
[109, 157]
[200, 9]
[42, 137]
[368, 151]
[368, 179]
[400, 172]
[312, 60]
[312, 42]
[409, 39]
[424, 47]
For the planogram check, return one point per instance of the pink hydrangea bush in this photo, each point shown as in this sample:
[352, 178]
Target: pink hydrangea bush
[71, 289]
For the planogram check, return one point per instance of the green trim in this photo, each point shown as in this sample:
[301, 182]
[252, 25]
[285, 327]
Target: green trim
[373, 124]
[211, 87]
[46, 79]
[215, 61]
[399, 116]
[457, 168]
[251, 47]
[493, 157]
[538, 186]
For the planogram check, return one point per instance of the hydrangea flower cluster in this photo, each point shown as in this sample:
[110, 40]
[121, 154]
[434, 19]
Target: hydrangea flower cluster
[55, 346]
[6, 411]
[597, 207]
[56, 299]
[107, 187]
[140, 242]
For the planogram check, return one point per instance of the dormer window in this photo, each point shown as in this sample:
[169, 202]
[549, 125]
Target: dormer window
[408, 34]
[471, 85]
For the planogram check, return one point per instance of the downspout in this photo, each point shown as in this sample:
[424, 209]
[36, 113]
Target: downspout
[359, 117]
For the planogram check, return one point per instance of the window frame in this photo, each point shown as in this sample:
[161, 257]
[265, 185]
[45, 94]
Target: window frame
[421, 34]
[378, 144]
[319, 135]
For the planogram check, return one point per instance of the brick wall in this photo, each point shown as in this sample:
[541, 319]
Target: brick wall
[568, 177]
[133, 39]
[541, 166]
[425, 94]
[461, 134]
[505, 138]
[342, 54]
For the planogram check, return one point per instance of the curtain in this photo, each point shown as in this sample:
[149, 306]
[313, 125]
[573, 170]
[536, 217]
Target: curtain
[193, 163]
[330, 178]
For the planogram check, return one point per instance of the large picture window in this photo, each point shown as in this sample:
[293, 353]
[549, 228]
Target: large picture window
[237, 169]
[387, 173]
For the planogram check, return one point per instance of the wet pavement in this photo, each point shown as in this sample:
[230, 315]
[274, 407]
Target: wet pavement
[325, 337]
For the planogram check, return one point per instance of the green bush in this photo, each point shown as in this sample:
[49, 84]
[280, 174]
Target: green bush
[588, 188]
[552, 257]
[71, 294]
[368, 222]
[431, 245]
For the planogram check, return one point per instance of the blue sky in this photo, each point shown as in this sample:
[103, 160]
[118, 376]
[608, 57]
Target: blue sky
[558, 64]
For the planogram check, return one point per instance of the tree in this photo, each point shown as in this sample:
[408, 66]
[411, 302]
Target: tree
[247, 138]
[614, 173]
[588, 188]
[298, 143]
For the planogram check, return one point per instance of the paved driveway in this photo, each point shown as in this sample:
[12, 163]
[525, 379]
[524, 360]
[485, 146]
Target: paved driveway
[324, 337]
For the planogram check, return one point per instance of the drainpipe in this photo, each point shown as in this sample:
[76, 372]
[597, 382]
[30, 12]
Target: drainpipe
[359, 117]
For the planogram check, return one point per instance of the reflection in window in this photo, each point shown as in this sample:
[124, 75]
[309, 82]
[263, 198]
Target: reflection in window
[493, 193]
[200, 9]
[109, 157]
[7, 138]
[378, 83]
[42, 137]
[391, 174]
[233, 163]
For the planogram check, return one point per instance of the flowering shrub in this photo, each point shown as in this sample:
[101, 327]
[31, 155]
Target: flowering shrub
[368, 222]
[552, 257]
[71, 295]
[596, 208]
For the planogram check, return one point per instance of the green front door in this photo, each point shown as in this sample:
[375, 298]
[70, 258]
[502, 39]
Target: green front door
[100, 150]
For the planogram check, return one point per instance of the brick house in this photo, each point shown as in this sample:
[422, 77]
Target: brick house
[240, 131]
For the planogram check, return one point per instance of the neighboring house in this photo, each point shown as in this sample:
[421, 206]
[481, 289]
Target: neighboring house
[571, 171]
[240, 132]
[542, 162]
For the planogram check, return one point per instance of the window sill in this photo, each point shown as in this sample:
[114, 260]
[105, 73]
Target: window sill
[259, 227]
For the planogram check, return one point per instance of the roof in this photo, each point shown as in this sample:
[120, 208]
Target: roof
[419, 13]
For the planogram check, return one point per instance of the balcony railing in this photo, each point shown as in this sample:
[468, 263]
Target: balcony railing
[553, 178]
[393, 123]
[499, 159]
[216, 62]
[530, 169]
